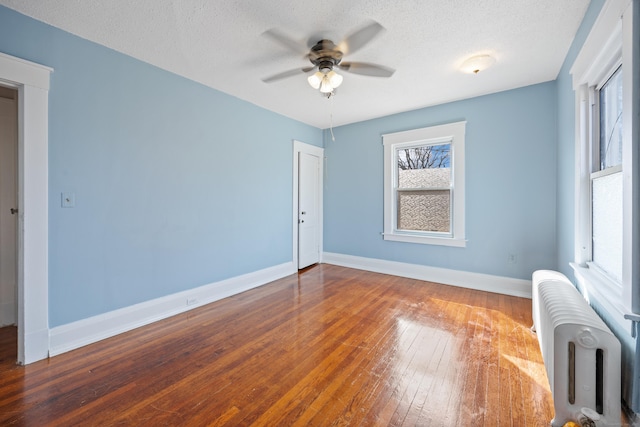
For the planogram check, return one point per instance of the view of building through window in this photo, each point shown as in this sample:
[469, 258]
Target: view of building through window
[424, 188]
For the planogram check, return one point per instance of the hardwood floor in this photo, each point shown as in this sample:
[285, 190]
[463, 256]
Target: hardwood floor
[330, 346]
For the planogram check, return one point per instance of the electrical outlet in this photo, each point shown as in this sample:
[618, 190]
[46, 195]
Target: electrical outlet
[192, 301]
[512, 258]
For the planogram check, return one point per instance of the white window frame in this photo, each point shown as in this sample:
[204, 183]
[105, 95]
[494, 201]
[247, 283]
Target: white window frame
[609, 45]
[454, 132]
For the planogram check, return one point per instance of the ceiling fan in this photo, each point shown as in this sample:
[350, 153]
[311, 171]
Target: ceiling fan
[325, 55]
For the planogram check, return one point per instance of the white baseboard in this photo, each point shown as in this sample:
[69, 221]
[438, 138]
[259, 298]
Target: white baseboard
[463, 279]
[86, 331]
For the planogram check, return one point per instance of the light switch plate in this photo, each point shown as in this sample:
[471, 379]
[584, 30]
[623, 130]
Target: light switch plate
[68, 200]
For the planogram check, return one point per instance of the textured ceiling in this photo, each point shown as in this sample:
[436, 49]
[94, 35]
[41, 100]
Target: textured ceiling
[221, 44]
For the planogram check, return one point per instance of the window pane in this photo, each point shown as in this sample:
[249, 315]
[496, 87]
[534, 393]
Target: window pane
[425, 156]
[424, 188]
[611, 121]
[424, 210]
[607, 224]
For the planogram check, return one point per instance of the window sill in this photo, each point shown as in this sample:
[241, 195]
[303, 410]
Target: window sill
[599, 287]
[426, 240]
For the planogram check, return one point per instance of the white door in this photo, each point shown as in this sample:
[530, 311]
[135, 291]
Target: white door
[308, 209]
[8, 208]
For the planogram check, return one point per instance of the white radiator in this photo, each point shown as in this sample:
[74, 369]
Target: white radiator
[580, 353]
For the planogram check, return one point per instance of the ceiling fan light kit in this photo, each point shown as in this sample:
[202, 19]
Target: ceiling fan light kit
[326, 82]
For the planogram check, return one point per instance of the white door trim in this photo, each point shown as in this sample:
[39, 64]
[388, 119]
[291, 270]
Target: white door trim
[301, 147]
[9, 200]
[32, 82]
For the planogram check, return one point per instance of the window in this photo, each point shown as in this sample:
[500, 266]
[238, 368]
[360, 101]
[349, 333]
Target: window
[606, 178]
[605, 79]
[424, 185]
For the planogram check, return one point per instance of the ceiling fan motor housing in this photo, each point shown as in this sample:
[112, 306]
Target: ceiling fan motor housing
[325, 55]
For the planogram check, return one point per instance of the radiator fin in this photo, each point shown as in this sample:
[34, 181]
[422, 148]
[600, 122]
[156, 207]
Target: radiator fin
[572, 373]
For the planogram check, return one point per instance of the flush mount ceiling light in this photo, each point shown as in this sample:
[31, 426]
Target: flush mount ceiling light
[477, 63]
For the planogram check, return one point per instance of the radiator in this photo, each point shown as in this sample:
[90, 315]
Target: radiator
[581, 355]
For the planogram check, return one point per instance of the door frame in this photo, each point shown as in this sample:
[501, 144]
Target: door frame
[32, 82]
[301, 147]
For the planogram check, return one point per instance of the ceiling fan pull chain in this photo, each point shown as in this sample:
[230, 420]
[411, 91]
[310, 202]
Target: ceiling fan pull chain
[333, 138]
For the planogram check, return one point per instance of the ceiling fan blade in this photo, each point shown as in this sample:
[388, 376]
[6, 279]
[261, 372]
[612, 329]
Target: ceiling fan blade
[360, 38]
[366, 69]
[285, 74]
[286, 41]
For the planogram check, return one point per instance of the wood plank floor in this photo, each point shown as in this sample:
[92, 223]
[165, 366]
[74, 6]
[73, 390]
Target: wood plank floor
[328, 346]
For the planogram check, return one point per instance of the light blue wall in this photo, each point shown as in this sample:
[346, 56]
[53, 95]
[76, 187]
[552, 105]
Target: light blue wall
[510, 185]
[566, 194]
[176, 185]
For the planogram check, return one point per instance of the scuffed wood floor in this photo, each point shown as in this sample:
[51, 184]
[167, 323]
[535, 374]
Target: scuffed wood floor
[328, 346]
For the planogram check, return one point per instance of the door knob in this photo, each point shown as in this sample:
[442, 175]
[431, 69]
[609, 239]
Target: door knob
[14, 211]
